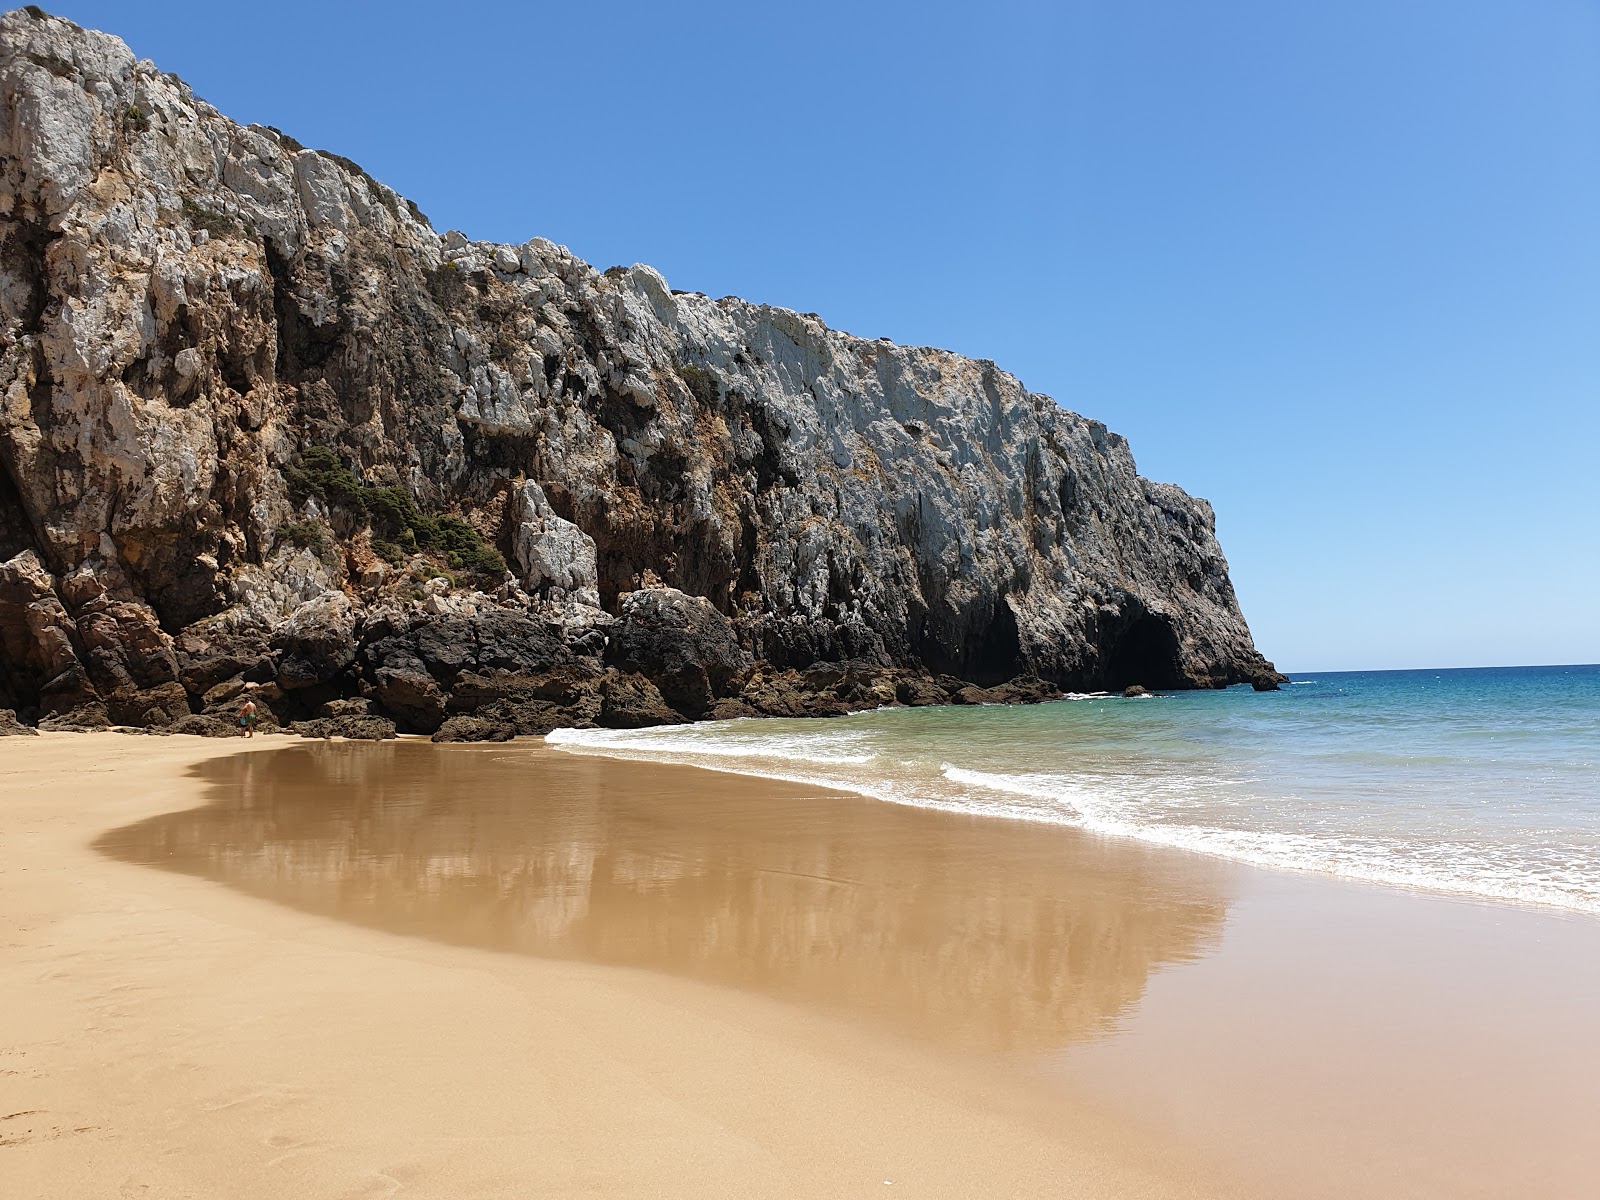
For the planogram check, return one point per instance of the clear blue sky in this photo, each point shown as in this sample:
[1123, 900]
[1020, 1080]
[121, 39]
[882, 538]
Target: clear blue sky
[1334, 266]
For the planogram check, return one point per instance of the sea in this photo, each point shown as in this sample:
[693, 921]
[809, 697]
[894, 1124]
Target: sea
[1480, 782]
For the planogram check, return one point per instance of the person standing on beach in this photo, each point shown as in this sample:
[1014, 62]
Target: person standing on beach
[247, 718]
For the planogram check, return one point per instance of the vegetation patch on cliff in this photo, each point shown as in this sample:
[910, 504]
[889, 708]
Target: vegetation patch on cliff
[399, 527]
[215, 223]
[307, 535]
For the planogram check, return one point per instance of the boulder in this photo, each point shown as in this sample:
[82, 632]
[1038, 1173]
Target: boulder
[317, 642]
[916, 691]
[208, 658]
[1024, 689]
[730, 710]
[554, 558]
[633, 702]
[39, 663]
[354, 706]
[683, 645]
[412, 696]
[785, 695]
[85, 718]
[203, 726]
[367, 729]
[535, 718]
[425, 667]
[474, 729]
[147, 707]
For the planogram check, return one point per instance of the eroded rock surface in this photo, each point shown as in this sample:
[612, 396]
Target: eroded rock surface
[259, 423]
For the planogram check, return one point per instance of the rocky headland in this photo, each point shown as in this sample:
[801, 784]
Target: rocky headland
[264, 431]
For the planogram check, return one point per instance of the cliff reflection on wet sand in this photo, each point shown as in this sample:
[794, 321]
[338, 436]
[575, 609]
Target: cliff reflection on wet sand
[992, 935]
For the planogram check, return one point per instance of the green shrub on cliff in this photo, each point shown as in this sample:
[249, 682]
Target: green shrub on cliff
[391, 552]
[399, 526]
[318, 472]
[213, 222]
[307, 535]
[702, 384]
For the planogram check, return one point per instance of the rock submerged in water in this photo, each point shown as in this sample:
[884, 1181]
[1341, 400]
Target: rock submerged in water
[263, 426]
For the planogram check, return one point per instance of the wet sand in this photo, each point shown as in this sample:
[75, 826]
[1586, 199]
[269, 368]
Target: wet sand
[513, 971]
[169, 1035]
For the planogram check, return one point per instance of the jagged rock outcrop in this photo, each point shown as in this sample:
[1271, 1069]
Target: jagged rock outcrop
[11, 727]
[260, 423]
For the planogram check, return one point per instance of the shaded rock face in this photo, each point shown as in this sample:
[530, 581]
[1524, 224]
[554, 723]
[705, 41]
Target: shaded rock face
[193, 310]
[684, 645]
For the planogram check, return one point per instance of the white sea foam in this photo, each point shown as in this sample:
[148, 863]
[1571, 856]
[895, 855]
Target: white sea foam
[686, 741]
[1204, 807]
[1456, 868]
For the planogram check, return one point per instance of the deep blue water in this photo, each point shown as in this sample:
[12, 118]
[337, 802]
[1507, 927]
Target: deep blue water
[1482, 781]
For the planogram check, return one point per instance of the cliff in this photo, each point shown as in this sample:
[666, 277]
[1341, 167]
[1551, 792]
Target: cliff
[259, 423]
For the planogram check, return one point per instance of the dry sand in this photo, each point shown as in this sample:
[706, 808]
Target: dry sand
[170, 1036]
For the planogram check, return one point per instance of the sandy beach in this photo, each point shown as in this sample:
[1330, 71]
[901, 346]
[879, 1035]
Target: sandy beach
[168, 1036]
[508, 971]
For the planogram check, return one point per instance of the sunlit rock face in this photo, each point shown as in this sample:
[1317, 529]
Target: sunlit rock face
[192, 307]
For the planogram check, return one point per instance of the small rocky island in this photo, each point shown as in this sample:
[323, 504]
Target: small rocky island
[263, 430]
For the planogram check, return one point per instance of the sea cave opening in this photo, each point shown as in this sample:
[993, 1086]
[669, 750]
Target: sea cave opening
[1145, 653]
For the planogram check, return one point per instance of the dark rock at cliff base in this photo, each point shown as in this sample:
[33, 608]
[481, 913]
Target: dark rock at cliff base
[202, 726]
[474, 729]
[367, 729]
[1269, 683]
[317, 642]
[85, 718]
[155, 706]
[1022, 690]
[274, 707]
[633, 702]
[39, 663]
[11, 727]
[351, 706]
[915, 691]
[1134, 690]
[785, 694]
[571, 685]
[264, 424]
[204, 662]
[425, 667]
[411, 695]
[683, 645]
[730, 710]
[535, 718]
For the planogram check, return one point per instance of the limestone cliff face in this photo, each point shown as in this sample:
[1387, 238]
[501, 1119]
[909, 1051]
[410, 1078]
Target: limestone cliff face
[249, 396]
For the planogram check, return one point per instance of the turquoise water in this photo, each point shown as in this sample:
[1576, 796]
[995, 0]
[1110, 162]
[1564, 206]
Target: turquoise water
[1482, 781]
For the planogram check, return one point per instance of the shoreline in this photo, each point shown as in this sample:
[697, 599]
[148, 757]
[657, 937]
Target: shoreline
[1179, 842]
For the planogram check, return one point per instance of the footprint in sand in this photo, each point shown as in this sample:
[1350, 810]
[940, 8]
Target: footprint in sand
[276, 1096]
[37, 1125]
[381, 1187]
[291, 1147]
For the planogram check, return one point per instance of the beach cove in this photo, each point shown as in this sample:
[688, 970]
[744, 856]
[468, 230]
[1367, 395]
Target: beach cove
[370, 970]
